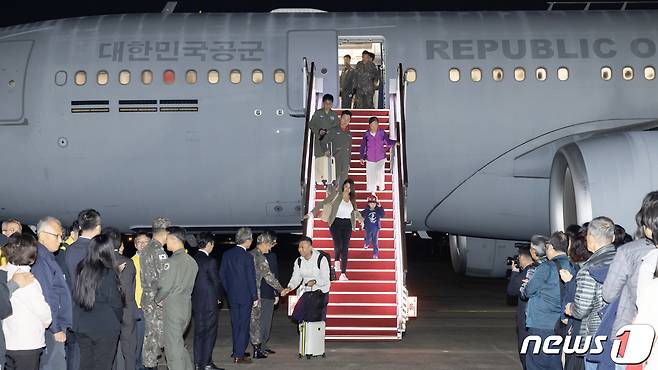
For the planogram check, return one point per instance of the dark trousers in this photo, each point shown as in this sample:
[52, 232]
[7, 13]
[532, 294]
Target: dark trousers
[341, 233]
[97, 353]
[240, 322]
[205, 335]
[542, 361]
[140, 328]
[371, 239]
[126, 353]
[72, 352]
[522, 333]
[23, 360]
[346, 101]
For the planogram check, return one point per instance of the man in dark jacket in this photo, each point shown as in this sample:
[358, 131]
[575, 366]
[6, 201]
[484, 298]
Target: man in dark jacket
[206, 296]
[238, 276]
[513, 287]
[56, 292]
[125, 358]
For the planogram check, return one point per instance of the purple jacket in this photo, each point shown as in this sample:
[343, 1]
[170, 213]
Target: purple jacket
[373, 149]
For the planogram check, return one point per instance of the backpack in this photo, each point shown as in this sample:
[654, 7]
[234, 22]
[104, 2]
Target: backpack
[332, 271]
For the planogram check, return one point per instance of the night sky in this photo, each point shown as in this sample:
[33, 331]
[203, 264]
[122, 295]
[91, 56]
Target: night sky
[23, 11]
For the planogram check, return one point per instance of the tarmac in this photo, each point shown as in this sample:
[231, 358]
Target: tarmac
[463, 323]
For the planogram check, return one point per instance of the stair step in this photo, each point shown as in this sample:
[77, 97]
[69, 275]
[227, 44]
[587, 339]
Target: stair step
[370, 275]
[362, 338]
[355, 243]
[362, 320]
[365, 112]
[362, 253]
[363, 286]
[383, 120]
[355, 234]
[361, 297]
[361, 331]
[362, 310]
[318, 223]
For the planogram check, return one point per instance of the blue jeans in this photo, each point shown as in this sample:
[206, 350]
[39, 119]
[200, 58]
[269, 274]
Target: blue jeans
[140, 328]
[591, 365]
[72, 352]
[53, 356]
[371, 238]
[542, 361]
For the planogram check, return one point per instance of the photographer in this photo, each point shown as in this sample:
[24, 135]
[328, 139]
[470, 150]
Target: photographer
[519, 272]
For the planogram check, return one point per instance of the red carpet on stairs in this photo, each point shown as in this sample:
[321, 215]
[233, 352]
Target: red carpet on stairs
[365, 307]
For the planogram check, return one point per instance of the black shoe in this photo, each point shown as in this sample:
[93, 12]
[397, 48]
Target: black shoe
[258, 353]
[269, 351]
[212, 367]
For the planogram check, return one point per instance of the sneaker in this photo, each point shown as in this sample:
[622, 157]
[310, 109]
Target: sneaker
[337, 265]
[365, 246]
[374, 256]
[343, 277]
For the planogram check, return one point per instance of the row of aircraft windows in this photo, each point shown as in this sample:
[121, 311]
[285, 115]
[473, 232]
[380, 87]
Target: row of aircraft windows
[169, 77]
[541, 74]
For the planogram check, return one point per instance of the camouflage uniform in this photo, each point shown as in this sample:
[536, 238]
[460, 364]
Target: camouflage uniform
[262, 272]
[366, 76]
[152, 260]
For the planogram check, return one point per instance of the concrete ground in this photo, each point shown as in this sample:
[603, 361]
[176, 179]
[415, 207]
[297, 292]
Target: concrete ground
[463, 323]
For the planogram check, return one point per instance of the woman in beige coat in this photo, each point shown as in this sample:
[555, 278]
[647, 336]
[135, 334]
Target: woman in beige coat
[339, 210]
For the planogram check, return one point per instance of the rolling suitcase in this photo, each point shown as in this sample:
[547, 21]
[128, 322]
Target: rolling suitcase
[325, 169]
[311, 339]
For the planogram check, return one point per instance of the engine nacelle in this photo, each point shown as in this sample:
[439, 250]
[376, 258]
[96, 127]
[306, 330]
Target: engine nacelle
[606, 175]
[480, 257]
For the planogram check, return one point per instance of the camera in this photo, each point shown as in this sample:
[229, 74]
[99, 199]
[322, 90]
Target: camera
[514, 259]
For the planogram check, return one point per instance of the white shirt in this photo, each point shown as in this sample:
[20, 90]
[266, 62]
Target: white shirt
[345, 210]
[24, 329]
[309, 271]
[204, 251]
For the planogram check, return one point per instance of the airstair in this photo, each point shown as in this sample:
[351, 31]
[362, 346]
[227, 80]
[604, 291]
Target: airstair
[373, 305]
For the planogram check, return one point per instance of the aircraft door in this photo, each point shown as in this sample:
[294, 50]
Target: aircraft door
[14, 56]
[319, 46]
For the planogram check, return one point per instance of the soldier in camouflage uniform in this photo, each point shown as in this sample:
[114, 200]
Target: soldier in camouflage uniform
[366, 76]
[347, 83]
[265, 243]
[152, 260]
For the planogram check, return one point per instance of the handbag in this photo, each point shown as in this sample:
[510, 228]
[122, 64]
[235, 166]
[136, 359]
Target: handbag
[328, 208]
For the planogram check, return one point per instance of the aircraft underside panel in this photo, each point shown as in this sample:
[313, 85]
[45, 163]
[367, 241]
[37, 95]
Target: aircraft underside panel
[14, 56]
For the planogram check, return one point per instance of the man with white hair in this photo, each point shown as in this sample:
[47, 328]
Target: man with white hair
[588, 301]
[56, 291]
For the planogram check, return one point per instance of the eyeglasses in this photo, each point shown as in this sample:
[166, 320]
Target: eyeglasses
[58, 236]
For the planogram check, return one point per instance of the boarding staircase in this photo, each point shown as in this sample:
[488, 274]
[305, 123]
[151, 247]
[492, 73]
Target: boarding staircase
[373, 305]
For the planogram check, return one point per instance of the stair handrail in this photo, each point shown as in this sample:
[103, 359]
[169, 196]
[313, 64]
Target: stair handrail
[402, 86]
[307, 152]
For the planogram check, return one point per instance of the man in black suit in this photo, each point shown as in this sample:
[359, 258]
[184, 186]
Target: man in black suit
[90, 226]
[238, 276]
[125, 358]
[206, 296]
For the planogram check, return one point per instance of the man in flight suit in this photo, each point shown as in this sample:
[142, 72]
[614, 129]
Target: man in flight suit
[175, 295]
[323, 121]
[366, 80]
[152, 261]
[341, 143]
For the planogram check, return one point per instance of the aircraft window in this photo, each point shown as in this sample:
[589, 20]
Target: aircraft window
[476, 74]
[649, 73]
[606, 73]
[454, 74]
[562, 73]
[169, 77]
[80, 78]
[102, 77]
[628, 73]
[257, 76]
[410, 75]
[147, 77]
[540, 74]
[124, 77]
[60, 78]
[235, 76]
[497, 74]
[213, 76]
[519, 74]
[190, 77]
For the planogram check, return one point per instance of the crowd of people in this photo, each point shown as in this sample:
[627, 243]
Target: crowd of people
[589, 280]
[82, 305]
[358, 84]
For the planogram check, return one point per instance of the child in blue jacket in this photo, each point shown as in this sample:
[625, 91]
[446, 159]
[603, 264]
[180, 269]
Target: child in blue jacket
[372, 216]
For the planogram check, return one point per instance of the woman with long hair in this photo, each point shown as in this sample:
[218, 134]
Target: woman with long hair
[98, 306]
[339, 210]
